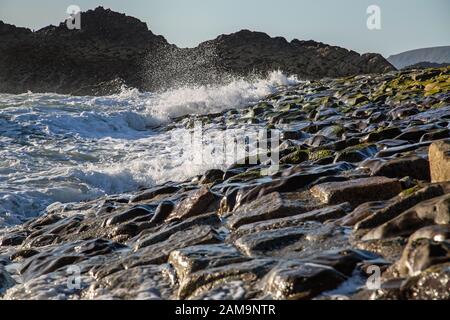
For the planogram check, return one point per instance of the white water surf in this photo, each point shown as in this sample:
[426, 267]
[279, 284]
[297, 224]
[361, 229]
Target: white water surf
[60, 148]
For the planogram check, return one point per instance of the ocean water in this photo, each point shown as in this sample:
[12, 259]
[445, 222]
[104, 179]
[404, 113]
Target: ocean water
[61, 148]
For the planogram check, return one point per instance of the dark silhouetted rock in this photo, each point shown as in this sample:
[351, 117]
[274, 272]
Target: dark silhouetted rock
[112, 50]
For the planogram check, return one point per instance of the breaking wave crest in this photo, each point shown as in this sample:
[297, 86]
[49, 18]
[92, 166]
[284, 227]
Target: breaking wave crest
[60, 148]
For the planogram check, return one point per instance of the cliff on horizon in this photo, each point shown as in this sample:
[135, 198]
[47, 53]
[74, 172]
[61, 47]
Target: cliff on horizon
[433, 55]
[112, 49]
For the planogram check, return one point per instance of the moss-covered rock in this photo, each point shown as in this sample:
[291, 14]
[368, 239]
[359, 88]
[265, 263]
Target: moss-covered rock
[296, 157]
[320, 154]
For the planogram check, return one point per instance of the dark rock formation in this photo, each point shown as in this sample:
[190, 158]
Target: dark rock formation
[109, 47]
[112, 49]
[246, 51]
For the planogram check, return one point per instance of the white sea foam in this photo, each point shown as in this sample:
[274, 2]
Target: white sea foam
[211, 99]
[60, 148]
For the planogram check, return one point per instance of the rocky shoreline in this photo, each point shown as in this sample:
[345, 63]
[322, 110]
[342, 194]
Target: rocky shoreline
[363, 186]
[112, 50]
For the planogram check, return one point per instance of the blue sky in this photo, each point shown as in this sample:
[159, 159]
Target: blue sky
[405, 24]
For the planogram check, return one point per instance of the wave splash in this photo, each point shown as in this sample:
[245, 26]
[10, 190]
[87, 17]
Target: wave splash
[211, 99]
[60, 148]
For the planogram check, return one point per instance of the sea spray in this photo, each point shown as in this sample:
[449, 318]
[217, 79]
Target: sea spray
[60, 148]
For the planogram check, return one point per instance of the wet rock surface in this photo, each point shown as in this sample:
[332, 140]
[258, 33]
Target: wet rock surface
[363, 186]
[357, 191]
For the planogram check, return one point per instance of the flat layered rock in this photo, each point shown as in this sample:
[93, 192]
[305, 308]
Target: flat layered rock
[357, 191]
[390, 249]
[271, 206]
[129, 214]
[229, 290]
[293, 241]
[150, 237]
[153, 192]
[319, 215]
[248, 272]
[295, 179]
[50, 286]
[159, 251]
[412, 166]
[13, 238]
[192, 259]
[403, 149]
[361, 212]
[149, 282]
[439, 155]
[60, 257]
[433, 211]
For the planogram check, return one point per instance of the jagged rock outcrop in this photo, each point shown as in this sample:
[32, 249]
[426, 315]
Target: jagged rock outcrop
[110, 46]
[112, 49]
[245, 51]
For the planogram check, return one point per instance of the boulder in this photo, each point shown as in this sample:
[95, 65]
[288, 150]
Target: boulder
[302, 280]
[196, 203]
[390, 209]
[211, 176]
[439, 155]
[426, 247]
[433, 211]
[431, 284]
